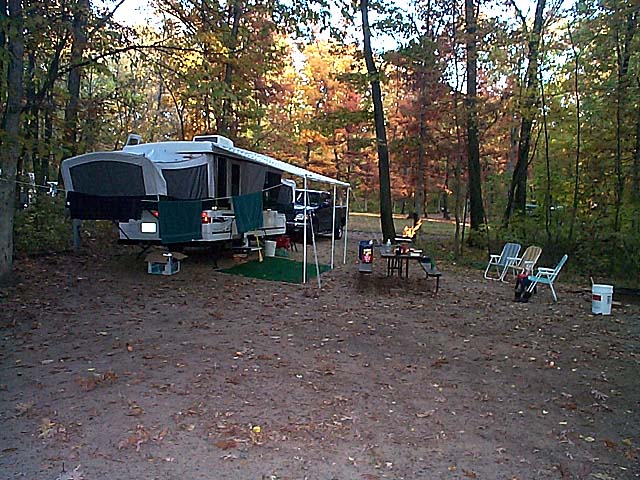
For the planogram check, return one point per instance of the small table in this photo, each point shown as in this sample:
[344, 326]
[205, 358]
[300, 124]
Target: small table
[399, 262]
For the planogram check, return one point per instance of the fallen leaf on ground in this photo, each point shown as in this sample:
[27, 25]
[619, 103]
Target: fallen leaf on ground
[75, 474]
[602, 476]
[23, 408]
[140, 436]
[46, 428]
[226, 444]
[90, 383]
[440, 362]
[426, 414]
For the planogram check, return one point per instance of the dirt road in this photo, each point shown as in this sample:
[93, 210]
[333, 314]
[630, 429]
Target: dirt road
[203, 375]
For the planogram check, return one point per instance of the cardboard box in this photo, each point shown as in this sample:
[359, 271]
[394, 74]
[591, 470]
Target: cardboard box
[164, 263]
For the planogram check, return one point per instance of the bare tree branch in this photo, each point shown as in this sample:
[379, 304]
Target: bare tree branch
[128, 48]
[105, 19]
[519, 14]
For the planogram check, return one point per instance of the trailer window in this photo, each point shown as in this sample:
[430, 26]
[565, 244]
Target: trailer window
[108, 178]
[270, 194]
[187, 183]
[221, 184]
[235, 179]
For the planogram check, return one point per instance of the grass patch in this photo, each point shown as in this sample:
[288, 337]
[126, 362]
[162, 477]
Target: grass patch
[276, 269]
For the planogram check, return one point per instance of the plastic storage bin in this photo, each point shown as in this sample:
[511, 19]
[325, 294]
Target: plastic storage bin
[601, 298]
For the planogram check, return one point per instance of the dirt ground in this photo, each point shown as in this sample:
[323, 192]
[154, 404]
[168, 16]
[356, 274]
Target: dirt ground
[108, 372]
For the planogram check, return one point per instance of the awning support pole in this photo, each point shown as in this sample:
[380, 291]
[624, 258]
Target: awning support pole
[346, 227]
[333, 226]
[304, 235]
[315, 254]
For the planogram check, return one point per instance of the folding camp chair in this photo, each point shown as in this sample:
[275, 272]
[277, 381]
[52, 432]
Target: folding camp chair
[548, 276]
[500, 262]
[526, 262]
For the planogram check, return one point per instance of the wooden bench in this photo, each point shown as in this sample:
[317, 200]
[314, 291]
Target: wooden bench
[430, 270]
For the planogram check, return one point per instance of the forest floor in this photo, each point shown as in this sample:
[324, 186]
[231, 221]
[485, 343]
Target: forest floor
[107, 372]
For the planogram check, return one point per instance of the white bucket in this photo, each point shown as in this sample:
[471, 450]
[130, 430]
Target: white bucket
[270, 248]
[601, 298]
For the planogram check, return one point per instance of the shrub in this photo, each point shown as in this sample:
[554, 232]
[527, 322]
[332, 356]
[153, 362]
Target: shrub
[42, 228]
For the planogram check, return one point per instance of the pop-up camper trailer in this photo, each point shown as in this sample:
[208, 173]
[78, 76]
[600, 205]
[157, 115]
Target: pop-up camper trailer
[205, 190]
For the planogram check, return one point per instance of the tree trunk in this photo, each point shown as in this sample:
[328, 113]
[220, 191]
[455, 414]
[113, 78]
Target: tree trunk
[307, 156]
[476, 209]
[179, 109]
[547, 196]
[75, 74]
[386, 212]
[47, 132]
[337, 163]
[10, 146]
[421, 167]
[3, 42]
[623, 52]
[635, 187]
[458, 165]
[223, 125]
[32, 124]
[576, 180]
[517, 198]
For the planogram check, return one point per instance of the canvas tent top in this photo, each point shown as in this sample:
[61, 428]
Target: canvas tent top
[143, 169]
[176, 151]
[102, 173]
[282, 166]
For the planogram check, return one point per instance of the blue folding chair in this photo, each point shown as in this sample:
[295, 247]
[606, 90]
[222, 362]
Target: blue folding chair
[502, 261]
[546, 276]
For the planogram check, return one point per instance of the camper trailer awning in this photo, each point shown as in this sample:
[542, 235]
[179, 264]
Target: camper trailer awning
[276, 164]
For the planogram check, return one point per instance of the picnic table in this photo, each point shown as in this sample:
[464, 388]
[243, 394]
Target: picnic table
[398, 262]
[399, 258]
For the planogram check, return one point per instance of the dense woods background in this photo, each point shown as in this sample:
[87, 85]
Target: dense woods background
[523, 117]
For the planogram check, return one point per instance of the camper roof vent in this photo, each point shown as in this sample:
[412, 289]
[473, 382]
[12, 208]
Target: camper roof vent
[217, 139]
[133, 139]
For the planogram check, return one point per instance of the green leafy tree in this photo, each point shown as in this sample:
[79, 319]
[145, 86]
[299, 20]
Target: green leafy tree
[9, 132]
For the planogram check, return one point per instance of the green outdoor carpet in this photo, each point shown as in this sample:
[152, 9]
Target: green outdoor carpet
[276, 269]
